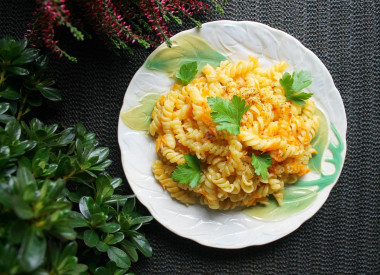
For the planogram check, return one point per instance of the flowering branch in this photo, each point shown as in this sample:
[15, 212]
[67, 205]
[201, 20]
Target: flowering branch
[119, 23]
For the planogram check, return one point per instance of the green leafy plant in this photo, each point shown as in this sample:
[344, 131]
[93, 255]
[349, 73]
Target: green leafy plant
[22, 81]
[294, 83]
[60, 212]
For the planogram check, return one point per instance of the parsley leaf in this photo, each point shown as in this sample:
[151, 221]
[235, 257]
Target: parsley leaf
[294, 83]
[227, 114]
[261, 164]
[189, 173]
[187, 72]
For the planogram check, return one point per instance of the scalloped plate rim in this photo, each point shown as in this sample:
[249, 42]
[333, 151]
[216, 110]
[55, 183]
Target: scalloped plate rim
[302, 218]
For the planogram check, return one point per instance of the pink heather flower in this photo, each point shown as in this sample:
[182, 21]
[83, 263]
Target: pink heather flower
[116, 22]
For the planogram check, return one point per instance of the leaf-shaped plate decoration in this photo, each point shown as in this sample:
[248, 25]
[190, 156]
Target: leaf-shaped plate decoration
[295, 199]
[336, 160]
[319, 142]
[301, 194]
[138, 117]
[186, 48]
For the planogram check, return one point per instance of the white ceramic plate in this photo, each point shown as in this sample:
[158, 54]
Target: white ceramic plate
[225, 229]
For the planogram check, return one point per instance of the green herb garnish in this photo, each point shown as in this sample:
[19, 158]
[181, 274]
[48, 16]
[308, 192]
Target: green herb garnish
[227, 114]
[187, 72]
[261, 164]
[294, 83]
[189, 173]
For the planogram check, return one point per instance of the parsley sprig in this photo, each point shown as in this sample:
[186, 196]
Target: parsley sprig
[187, 72]
[227, 114]
[261, 164]
[189, 173]
[294, 83]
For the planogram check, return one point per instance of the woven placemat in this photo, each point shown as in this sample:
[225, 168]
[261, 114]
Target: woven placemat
[344, 236]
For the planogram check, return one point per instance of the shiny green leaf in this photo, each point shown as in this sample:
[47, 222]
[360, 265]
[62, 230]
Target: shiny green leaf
[64, 231]
[6, 118]
[18, 71]
[27, 56]
[130, 248]
[32, 251]
[4, 106]
[98, 155]
[69, 250]
[42, 62]
[18, 230]
[98, 219]
[13, 129]
[129, 206]
[119, 257]
[90, 238]
[102, 247]
[116, 182]
[24, 178]
[22, 147]
[101, 166]
[41, 154]
[10, 93]
[10, 48]
[141, 219]
[4, 155]
[104, 189]
[78, 269]
[78, 221]
[102, 271]
[83, 207]
[65, 167]
[70, 263]
[35, 102]
[119, 199]
[50, 93]
[142, 244]
[121, 272]
[50, 169]
[111, 227]
[66, 137]
[114, 238]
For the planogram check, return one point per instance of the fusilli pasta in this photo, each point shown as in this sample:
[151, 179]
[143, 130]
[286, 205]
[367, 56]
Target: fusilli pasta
[182, 124]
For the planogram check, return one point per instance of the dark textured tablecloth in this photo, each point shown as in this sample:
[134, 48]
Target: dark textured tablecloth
[344, 236]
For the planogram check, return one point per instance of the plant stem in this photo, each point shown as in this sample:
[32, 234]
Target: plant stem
[2, 77]
[21, 110]
[72, 174]
[65, 178]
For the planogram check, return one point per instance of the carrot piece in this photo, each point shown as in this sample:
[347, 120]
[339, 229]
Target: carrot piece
[206, 119]
[203, 192]
[164, 141]
[189, 112]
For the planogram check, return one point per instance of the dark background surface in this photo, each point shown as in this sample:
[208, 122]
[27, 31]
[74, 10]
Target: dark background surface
[344, 236]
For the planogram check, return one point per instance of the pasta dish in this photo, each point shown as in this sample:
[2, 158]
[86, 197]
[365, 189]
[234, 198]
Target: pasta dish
[272, 130]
